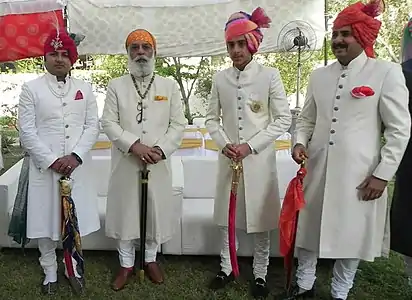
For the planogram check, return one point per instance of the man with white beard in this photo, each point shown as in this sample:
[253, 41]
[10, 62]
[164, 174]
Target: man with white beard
[143, 117]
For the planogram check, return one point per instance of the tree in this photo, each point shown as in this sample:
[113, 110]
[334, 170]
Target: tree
[186, 76]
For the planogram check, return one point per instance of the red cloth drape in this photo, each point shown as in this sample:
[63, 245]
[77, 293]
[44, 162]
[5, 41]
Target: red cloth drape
[23, 35]
[292, 203]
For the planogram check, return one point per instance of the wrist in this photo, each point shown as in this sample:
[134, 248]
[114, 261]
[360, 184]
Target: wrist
[77, 157]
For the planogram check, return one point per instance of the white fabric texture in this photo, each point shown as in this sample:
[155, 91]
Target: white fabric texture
[157, 3]
[127, 252]
[260, 255]
[184, 31]
[12, 7]
[344, 271]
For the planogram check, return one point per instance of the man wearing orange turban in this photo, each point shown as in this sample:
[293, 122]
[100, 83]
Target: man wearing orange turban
[250, 100]
[348, 105]
[143, 117]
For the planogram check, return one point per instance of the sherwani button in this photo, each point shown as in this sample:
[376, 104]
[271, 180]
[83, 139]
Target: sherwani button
[343, 75]
[340, 86]
[337, 97]
[334, 120]
[67, 126]
[332, 131]
[336, 108]
[64, 103]
[331, 143]
[239, 107]
[67, 137]
[239, 98]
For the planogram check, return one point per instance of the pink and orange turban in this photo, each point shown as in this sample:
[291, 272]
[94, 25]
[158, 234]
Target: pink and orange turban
[241, 23]
[60, 40]
[361, 17]
[141, 35]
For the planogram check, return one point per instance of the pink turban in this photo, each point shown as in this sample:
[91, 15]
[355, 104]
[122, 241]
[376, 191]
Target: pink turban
[243, 24]
[361, 17]
[60, 40]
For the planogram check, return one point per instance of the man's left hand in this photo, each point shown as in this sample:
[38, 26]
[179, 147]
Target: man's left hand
[372, 188]
[242, 151]
[68, 164]
[159, 151]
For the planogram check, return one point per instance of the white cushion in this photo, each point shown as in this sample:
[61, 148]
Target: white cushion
[200, 176]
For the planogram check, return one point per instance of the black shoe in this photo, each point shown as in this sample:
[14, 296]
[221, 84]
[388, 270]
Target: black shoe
[77, 284]
[49, 289]
[221, 280]
[260, 289]
[295, 295]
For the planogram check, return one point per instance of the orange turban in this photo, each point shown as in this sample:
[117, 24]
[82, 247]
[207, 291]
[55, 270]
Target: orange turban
[141, 35]
[361, 17]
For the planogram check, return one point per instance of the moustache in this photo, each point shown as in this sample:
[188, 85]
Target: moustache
[141, 59]
[339, 46]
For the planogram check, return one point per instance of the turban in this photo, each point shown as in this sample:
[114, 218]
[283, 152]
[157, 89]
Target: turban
[60, 40]
[361, 17]
[243, 24]
[141, 35]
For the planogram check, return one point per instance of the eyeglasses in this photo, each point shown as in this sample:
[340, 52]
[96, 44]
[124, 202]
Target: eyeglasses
[139, 116]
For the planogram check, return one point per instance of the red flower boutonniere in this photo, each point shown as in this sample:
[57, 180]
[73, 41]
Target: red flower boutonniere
[362, 92]
[79, 95]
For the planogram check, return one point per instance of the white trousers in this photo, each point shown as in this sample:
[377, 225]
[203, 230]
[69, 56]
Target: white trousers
[344, 272]
[260, 255]
[127, 252]
[48, 260]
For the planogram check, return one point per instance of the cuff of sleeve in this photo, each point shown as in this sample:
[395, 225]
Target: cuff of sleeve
[47, 162]
[160, 148]
[126, 140]
[251, 148]
[385, 171]
[301, 139]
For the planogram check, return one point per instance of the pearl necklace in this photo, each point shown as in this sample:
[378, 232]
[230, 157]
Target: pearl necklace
[58, 94]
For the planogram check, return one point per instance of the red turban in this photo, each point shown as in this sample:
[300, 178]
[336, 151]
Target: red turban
[241, 23]
[361, 17]
[60, 40]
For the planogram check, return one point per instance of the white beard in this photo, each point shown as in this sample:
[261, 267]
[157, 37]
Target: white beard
[141, 69]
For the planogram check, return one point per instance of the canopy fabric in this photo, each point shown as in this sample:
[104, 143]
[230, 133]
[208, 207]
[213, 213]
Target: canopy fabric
[184, 31]
[157, 3]
[14, 7]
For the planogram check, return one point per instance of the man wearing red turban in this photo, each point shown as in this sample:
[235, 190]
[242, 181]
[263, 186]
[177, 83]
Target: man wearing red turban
[58, 123]
[255, 112]
[348, 105]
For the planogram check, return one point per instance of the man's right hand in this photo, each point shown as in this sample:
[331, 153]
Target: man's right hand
[145, 153]
[230, 151]
[299, 153]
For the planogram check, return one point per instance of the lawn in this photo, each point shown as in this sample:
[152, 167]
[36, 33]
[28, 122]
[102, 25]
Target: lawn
[187, 277]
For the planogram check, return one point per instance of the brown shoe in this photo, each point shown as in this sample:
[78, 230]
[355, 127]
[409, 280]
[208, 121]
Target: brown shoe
[122, 278]
[154, 272]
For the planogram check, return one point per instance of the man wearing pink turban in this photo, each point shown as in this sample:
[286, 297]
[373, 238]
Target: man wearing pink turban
[348, 105]
[250, 101]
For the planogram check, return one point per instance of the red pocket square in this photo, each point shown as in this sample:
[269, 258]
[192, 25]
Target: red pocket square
[362, 92]
[79, 95]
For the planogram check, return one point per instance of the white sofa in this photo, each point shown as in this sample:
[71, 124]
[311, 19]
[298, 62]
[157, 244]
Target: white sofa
[194, 179]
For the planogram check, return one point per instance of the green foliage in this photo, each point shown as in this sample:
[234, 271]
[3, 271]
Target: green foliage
[112, 66]
[8, 138]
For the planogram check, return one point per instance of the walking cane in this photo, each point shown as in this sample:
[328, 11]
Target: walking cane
[144, 179]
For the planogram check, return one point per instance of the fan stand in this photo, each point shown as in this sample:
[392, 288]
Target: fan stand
[300, 41]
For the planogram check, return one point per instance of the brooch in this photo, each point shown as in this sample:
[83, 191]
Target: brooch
[255, 106]
[160, 98]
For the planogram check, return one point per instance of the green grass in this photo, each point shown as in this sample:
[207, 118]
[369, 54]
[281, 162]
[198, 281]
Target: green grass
[187, 277]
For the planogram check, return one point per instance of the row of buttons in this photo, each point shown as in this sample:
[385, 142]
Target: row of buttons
[336, 108]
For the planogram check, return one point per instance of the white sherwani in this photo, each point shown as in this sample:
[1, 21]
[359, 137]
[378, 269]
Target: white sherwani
[51, 127]
[343, 136]
[233, 93]
[163, 125]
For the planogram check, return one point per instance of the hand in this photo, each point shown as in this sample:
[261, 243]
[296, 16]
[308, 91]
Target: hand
[65, 165]
[146, 154]
[372, 188]
[242, 151]
[230, 151]
[299, 153]
[160, 153]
